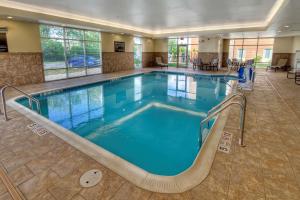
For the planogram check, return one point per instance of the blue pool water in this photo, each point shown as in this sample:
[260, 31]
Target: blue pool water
[151, 120]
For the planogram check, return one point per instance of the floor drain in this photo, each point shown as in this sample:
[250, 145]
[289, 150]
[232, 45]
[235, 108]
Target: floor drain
[37, 129]
[90, 178]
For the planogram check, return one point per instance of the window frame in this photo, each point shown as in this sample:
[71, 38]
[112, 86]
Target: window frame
[259, 44]
[66, 40]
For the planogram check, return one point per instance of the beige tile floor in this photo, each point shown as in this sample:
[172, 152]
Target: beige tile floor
[268, 168]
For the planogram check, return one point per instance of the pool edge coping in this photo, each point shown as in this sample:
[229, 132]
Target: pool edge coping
[182, 182]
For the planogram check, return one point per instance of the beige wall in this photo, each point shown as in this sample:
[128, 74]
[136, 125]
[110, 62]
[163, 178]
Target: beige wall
[211, 45]
[148, 44]
[109, 38]
[296, 44]
[283, 45]
[22, 36]
[161, 45]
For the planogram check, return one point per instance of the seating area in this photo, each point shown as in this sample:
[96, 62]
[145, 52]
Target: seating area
[200, 65]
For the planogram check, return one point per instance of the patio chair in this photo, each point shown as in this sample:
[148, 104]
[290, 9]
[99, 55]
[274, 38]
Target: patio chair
[229, 63]
[235, 64]
[214, 64]
[297, 77]
[198, 63]
[293, 71]
[280, 65]
[159, 62]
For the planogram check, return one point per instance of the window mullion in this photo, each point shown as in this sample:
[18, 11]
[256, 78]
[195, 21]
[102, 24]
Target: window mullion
[84, 53]
[65, 53]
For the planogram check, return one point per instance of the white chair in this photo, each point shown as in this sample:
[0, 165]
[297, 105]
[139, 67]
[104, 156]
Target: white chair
[293, 71]
[280, 64]
[159, 62]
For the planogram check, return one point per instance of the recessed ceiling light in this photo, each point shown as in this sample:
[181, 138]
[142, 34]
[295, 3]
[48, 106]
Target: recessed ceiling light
[9, 17]
[286, 26]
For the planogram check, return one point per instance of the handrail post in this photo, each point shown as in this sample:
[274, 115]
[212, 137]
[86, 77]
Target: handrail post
[4, 103]
[242, 118]
[242, 123]
[30, 99]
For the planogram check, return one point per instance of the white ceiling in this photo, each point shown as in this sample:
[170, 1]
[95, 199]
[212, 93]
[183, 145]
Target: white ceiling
[285, 23]
[161, 18]
[164, 14]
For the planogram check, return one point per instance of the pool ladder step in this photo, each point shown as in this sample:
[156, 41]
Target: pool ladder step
[226, 103]
[30, 99]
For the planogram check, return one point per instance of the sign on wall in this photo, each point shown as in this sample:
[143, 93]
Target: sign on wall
[3, 43]
[119, 46]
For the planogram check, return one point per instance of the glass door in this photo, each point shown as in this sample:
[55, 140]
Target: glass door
[182, 57]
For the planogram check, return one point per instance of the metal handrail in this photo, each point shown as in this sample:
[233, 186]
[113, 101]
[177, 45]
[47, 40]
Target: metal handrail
[30, 98]
[242, 118]
[234, 95]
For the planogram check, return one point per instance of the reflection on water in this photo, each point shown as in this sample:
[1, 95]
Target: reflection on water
[74, 107]
[107, 102]
[137, 88]
[182, 86]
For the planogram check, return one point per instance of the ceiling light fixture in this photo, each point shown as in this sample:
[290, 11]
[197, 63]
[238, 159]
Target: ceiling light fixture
[286, 26]
[9, 17]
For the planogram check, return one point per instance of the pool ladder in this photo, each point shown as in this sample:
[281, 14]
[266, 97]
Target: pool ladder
[226, 104]
[30, 99]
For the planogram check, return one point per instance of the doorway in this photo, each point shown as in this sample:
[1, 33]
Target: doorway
[182, 51]
[182, 57]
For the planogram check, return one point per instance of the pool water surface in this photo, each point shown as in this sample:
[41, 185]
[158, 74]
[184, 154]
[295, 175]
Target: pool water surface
[150, 120]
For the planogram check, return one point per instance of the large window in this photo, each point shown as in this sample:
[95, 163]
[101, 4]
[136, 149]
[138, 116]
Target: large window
[137, 50]
[259, 49]
[70, 52]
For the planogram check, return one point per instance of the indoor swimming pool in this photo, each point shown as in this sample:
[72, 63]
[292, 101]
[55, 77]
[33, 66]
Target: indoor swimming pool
[150, 120]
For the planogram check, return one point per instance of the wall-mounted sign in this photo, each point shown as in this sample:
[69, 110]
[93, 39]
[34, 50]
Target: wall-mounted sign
[119, 46]
[3, 42]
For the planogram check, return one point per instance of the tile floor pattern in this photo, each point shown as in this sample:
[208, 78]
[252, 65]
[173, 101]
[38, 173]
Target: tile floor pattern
[4, 195]
[46, 168]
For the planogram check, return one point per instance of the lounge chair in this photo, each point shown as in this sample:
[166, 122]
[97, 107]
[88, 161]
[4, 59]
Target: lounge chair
[280, 65]
[159, 62]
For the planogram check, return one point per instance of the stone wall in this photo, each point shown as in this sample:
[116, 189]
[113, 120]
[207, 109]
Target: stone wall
[21, 68]
[148, 59]
[207, 56]
[117, 61]
[277, 56]
[224, 59]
